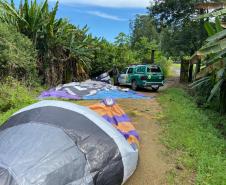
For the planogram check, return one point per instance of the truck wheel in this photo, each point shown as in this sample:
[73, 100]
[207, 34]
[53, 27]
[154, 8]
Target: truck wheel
[134, 85]
[155, 88]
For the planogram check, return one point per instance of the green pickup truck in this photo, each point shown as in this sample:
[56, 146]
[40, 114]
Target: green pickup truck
[148, 75]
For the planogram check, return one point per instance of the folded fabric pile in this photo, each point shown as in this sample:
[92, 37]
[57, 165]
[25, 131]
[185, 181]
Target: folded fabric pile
[113, 113]
[90, 89]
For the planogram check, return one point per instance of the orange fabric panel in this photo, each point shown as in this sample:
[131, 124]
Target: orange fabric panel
[112, 111]
[125, 126]
[133, 139]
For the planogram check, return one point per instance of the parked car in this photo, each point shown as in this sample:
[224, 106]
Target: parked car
[148, 75]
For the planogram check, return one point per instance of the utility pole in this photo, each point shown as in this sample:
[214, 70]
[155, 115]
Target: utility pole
[153, 56]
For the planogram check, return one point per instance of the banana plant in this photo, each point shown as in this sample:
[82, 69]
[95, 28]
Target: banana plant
[214, 52]
[59, 43]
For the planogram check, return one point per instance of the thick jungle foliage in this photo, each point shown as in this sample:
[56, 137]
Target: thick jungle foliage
[17, 55]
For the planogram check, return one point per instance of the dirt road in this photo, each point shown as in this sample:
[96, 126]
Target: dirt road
[153, 164]
[152, 167]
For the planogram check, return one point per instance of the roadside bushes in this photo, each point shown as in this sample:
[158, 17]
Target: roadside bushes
[17, 55]
[14, 94]
[165, 64]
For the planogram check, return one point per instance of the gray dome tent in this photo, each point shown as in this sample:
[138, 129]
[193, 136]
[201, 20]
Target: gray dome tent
[60, 143]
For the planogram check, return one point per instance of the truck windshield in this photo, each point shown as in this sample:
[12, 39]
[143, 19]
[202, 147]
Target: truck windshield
[124, 71]
[154, 69]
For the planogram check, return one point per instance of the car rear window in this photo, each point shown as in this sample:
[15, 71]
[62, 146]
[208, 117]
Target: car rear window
[154, 69]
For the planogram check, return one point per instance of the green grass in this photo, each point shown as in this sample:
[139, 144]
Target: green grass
[14, 96]
[191, 131]
[174, 67]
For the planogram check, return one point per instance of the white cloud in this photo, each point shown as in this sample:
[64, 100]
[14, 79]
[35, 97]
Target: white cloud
[110, 3]
[105, 15]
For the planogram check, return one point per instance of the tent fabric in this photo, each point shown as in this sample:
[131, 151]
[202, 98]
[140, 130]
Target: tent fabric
[104, 78]
[6, 178]
[90, 90]
[40, 152]
[115, 94]
[118, 118]
[59, 143]
[59, 94]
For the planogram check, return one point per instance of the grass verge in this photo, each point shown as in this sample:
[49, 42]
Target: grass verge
[14, 96]
[191, 131]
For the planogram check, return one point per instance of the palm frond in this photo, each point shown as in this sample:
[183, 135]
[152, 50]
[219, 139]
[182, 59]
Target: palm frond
[215, 89]
[209, 28]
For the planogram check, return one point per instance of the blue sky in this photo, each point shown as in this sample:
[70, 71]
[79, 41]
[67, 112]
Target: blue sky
[105, 18]
[102, 21]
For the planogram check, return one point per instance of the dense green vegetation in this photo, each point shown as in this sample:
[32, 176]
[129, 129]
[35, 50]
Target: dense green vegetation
[192, 131]
[180, 35]
[14, 95]
[213, 53]
[66, 52]
[17, 55]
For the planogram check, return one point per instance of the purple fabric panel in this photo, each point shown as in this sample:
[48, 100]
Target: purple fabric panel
[130, 133]
[126, 135]
[117, 119]
[58, 94]
[134, 133]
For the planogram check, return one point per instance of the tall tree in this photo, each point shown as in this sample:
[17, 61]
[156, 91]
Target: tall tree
[176, 17]
[143, 26]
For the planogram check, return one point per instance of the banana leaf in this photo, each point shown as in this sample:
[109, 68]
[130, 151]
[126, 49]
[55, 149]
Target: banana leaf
[218, 25]
[215, 89]
[215, 58]
[210, 69]
[218, 36]
[214, 14]
[209, 28]
[11, 11]
[214, 48]
[199, 81]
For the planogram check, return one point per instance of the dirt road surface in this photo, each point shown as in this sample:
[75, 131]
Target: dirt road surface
[153, 164]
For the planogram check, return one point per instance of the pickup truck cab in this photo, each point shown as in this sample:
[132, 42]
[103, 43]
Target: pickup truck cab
[148, 75]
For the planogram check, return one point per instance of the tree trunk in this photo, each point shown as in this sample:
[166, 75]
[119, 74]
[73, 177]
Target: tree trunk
[184, 71]
[190, 73]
